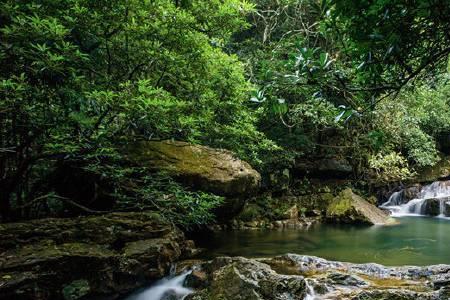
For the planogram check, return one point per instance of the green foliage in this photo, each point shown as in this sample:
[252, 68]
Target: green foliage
[389, 167]
[323, 75]
[391, 42]
[414, 121]
[79, 78]
[160, 192]
[250, 213]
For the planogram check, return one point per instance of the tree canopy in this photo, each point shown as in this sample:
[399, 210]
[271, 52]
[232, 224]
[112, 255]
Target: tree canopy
[271, 80]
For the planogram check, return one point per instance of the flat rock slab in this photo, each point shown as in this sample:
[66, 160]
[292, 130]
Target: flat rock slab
[83, 257]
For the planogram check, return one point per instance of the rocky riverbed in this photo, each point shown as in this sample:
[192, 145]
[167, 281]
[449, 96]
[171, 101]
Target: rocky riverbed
[109, 256]
[99, 256]
[299, 277]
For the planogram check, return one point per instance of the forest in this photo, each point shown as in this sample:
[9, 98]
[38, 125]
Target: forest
[218, 136]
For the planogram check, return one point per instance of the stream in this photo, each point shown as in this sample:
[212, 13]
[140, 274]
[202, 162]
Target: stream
[415, 241]
[420, 238]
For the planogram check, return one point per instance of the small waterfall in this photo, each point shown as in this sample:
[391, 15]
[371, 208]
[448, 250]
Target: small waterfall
[432, 200]
[394, 200]
[310, 293]
[167, 288]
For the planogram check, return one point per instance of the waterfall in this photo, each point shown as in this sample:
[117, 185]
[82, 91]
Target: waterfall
[394, 200]
[167, 288]
[310, 293]
[432, 200]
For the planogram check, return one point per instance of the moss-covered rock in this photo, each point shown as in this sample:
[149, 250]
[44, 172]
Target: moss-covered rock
[208, 169]
[294, 276]
[86, 256]
[348, 207]
[76, 290]
[244, 279]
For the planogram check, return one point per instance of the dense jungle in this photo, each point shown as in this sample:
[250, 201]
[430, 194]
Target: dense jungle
[224, 149]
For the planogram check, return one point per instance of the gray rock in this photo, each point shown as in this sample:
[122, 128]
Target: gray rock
[346, 279]
[240, 278]
[347, 207]
[78, 258]
[292, 276]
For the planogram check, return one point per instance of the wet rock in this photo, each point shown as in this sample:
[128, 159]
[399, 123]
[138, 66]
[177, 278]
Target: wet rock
[76, 290]
[412, 192]
[447, 208]
[203, 168]
[239, 278]
[393, 295]
[170, 295]
[346, 279]
[76, 258]
[444, 293]
[432, 207]
[441, 281]
[295, 276]
[291, 213]
[348, 207]
[197, 279]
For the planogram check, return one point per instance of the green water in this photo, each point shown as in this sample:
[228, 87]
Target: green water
[415, 241]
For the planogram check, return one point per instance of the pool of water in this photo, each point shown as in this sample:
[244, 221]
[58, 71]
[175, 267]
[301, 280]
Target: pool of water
[415, 241]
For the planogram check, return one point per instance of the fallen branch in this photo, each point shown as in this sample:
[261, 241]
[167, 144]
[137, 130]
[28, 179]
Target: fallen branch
[63, 199]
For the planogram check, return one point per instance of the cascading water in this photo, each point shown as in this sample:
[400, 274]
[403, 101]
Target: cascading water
[167, 288]
[432, 200]
[310, 293]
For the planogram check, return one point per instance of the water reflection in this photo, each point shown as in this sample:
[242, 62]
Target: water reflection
[415, 241]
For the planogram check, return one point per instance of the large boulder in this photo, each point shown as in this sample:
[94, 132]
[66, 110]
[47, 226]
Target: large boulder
[204, 168]
[239, 278]
[437, 206]
[88, 256]
[348, 207]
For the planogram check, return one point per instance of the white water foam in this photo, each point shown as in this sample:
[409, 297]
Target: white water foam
[438, 191]
[310, 293]
[172, 286]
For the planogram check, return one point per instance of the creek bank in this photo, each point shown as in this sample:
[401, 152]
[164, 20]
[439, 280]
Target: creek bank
[293, 210]
[85, 257]
[294, 276]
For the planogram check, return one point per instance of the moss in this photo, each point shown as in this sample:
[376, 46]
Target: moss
[211, 170]
[249, 213]
[392, 282]
[176, 158]
[76, 290]
[340, 207]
